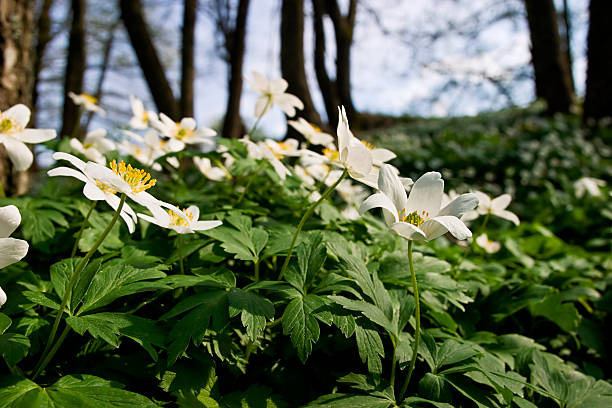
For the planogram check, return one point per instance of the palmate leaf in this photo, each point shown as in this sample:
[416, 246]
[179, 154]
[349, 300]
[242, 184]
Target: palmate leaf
[369, 345]
[351, 401]
[254, 310]
[110, 326]
[13, 346]
[244, 241]
[564, 315]
[72, 391]
[372, 312]
[299, 322]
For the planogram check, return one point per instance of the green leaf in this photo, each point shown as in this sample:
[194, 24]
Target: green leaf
[62, 271]
[564, 315]
[203, 307]
[110, 326]
[350, 401]
[369, 345]
[97, 223]
[5, 322]
[311, 256]
[14, 347]
[45, 299]
[255, 310]
[244, 241]
[301, 324]
[452, 352]
[219, 277]
[372, 312]
[115, 280]
[256, 396]
[432, 386]
[73, 391]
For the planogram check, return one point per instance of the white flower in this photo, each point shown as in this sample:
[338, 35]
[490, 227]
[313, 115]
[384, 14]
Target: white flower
[489, 246]
[186, 222]
[185, 132]
[141, 117]
[419, 216]
[311, 132]
[286, 148]
[273, 93]
[261, 151]
[94, 146]
[588, 185]
[496, 206]
[88, 102]
[11, 249]
[208, 170]
[148, 148]
[14, 135]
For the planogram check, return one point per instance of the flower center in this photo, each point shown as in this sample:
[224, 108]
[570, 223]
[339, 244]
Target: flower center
[369, 145]
[175, 219]
[414, 217]
[106, 189]
[139, 180]
[331, 155]
[89, 98]
[182, 133]
[316, 128]
[9, 125]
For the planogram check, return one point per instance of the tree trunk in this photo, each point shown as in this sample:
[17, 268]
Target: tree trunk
[75, 67]
[16, 76]
[343, 29]
[551, 72]
[598, 97]
[565, 34]
[152, 69]
[187, 55]
[292, 59]
[235, 44]
[327, 86]
[43, 36]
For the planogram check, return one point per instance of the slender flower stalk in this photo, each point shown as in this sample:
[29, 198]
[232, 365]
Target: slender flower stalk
[393, 364]
[305, 217]
[80, 233]
[267, 106]
[417, 331]
[81, 265]
[2, 193]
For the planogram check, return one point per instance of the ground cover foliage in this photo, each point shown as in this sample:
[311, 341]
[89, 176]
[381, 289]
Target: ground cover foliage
[204, 320]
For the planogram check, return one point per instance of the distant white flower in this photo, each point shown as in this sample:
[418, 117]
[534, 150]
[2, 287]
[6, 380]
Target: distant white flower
[14, 135]
[496, 206]
[94, 146]
[272, 92]
[286, 148]
[88, 102]
[185, 132]
[419, 216]
[311, 132]
[489, 246]
[141, 117]
[11, 249]
[208, 170]
[186, 223]
[148, 148]
[260, 150]
[588, 185]
[350, 213]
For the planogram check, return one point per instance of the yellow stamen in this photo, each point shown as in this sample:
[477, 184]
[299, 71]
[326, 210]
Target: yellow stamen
[139, 180]
[9, 125]
[87, 145]
[175, 219]
[414, 217]
[89, 98]
[316, 128]
[106, 189]
[369, 145]
[331, 154]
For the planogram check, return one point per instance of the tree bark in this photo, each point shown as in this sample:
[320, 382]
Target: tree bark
[598, 97]
[43, 36]
[343, 29]
[75, 67]
[292, 59]
[152, 69]
[551, 71]
[187, 57]
[235, 45]
[565, 34]
[326, 85]
[16, 76]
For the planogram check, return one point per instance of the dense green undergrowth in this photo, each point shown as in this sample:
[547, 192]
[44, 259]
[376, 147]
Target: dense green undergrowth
[523, 327]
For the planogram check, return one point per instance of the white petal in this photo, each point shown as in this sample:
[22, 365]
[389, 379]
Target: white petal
[382, 155]
[390, 185]
[510, 216]
[20, 113]
[10, 218]
[19, 153]
[426, 194]
[262, 105]
[188, 123]
[75, 161]
[460, 205]
[343, 132]
[77, 145]
[259, 82]
[36, 135]
[126, 211]
[470, 215]
[379, 200]
[484, 202]
[205, 132]
[195, 212]
[277, 86]
[288, 103]
[205, 225]
[93, 192]
[12, 250]
[69, 172]
[2, 297]
[358, 160]
[153, 220]
[95, 135]
[408, 231]
[500, 203]
[440, 225]
[370, 180]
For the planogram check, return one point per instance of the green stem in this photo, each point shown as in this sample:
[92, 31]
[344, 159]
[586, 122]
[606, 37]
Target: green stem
[2, 193]
[53, 350]
[251, 179]
[393, 364]
[417, 332]
[72, 282]
[305, 217]
[180, 252]
[80, 233]
[259, 118]
[256, 262]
